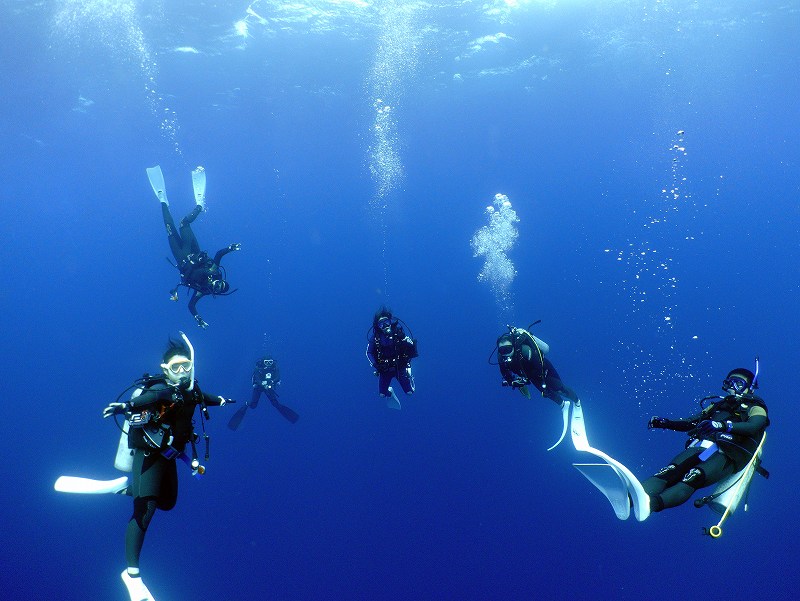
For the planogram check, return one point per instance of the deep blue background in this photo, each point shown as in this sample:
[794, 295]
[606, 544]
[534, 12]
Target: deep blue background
[454, 497]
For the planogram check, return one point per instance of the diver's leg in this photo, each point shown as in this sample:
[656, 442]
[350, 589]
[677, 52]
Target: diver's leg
[168, 494]
[290, 414]
[146, 479]
[406, 379]
[187, 235]
[556, 384]
[255, 397]
[670, 476]
[384, 379]
[674, 495]
[143, 510]
[708, 472]
[175, 242]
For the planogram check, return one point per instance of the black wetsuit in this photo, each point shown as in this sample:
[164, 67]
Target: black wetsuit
[529, 363]
[197, 269]
[391, 356]
[154, 479]
[265, 379]
[709, 459]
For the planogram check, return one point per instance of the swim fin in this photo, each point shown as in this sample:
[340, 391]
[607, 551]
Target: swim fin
[615, 481]
[392, 402]
[525, 392]
[286, 412]
[157, 182]
[199, 185]
[565, 418]
[237, 418]
[289, 414]
[136, 588]
[87, 486]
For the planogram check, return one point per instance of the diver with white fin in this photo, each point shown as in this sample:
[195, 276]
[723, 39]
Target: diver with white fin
[724, 438]
[200, 273]
[389, 352]
[522, 358]
[159, 421]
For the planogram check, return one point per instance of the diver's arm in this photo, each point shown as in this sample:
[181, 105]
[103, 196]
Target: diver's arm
[678, 425]
[754, 425]
[221, 253]
[196, 296]
[224, 251]
[148, 397]
[214, 400]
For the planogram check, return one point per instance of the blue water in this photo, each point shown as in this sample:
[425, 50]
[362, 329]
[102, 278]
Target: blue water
[656, 260]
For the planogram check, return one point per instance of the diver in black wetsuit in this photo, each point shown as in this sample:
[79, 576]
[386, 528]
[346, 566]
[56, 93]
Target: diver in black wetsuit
[522, 361]
[390, 351]
[160, 419]
[722, 439]
[203, 275]
[266, 377]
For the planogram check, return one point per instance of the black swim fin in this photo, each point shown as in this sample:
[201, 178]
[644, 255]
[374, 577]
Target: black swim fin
[289, 414]
[237, 418]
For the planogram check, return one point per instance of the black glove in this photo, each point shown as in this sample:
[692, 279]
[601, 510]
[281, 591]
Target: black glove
[657, 423]
[708, 427]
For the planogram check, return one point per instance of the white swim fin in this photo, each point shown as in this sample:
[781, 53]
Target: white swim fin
[608, 482]
[603, 479]
[565, 418]
[136, 588]
[199, 185]
[393, 402]
[87, 486]
[157, 182]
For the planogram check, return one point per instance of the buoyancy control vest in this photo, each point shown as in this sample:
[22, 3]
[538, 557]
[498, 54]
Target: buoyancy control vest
[738, 447]
[166, 420]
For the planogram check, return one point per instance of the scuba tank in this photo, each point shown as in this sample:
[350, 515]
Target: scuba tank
[124, 459]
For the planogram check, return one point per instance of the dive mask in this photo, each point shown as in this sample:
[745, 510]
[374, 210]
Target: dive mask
[268, 362]
[178, 365]
[505, 349]
[735, 383]
[219, 286]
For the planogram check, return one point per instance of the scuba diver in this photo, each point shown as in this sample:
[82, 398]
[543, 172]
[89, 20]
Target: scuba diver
[389, 352]
[158, 426]
[723, 438]
[201, 274]
[522, 361]
[266, 377]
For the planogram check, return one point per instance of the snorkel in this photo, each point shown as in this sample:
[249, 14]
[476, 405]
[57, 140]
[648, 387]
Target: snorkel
[754, 384]
[191, 358]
